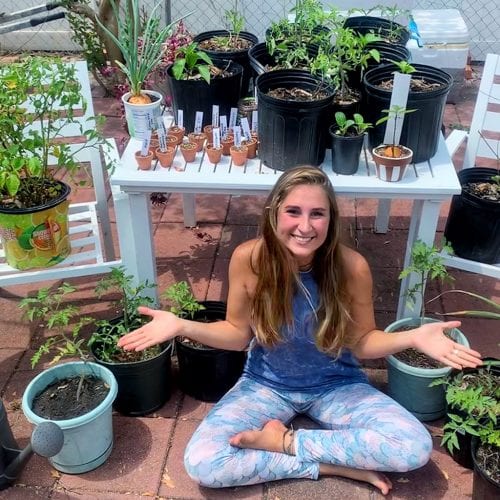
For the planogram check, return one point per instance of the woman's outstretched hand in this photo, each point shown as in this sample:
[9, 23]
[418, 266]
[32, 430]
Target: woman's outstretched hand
[430, 339]
[163, 326]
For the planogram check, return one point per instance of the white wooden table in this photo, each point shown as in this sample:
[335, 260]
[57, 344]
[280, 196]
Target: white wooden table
[428, 184]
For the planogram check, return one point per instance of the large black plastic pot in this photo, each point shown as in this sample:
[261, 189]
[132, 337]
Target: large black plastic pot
[197, 95]
[238, 56]
[483, 486]
[473, 224]
[143, 386]
[292, 133]
[388, 52]
[421, 128]
[346, 151]
[206, 374]
[390, 31]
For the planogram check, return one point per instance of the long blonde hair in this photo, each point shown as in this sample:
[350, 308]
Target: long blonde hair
[277, 273]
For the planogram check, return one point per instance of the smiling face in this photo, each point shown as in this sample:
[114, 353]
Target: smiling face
[303, 221]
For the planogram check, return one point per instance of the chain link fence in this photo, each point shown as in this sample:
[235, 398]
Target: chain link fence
[482, 18]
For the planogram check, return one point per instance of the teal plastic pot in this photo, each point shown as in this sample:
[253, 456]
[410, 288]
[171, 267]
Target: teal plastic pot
[88, 439]
[409, 385]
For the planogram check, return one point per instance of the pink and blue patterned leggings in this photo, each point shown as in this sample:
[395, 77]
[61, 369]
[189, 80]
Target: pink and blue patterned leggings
[360, 427]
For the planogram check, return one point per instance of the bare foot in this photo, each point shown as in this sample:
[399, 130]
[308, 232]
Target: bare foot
[269, 438]
[377, 479]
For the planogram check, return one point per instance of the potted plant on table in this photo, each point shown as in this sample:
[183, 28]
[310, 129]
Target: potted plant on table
[38, 99]
[144, 380]
[410, 372]
[78, 395]
[141, 43]
[205, 373]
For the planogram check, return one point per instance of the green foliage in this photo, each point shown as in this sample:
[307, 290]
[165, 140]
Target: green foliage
[235, 19]
[404, 67]
[191, 62]
[130, 297]
[426, 263]
[357, 124]
[49, 307]
[28, 139]
[473, 400]
[183, 303]
[397, 113]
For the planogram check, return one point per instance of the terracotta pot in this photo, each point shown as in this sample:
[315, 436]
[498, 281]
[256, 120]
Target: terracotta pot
[188, 150]
[166, 157]
[198, 139]
[214, 154]
[207, 130]
[153, 145]
[226, 144]
[391, 169]
[144, 162]
[177, 132]
[239, 155]
[171, 140]
[252, 148]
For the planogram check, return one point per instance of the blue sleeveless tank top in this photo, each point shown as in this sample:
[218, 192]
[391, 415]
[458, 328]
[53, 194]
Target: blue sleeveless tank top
[295, 364]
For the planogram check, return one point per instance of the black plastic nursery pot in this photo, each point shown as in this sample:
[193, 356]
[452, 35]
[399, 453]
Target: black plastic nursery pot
[421, 128]
[473, 224]
[390, 31]
[346, 151]
[206, 374]
[389, 52]
[483, 486]
[292, 133]
[197, 95]
[143, 386]
[238, 56]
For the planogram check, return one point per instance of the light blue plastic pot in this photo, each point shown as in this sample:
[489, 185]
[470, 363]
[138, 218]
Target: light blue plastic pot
[88, 439]
[409, 385]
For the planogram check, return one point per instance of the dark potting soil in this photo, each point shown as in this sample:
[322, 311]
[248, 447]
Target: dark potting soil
[484, 190]
[296, 94]
[225, 44]
[58, 401]
[488, 458]
[416, 85]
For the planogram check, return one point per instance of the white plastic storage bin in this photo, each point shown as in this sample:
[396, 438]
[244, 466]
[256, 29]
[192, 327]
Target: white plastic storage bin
[445, 44]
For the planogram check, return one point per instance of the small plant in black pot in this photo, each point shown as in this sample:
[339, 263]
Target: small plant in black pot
[143, 377]
[205, 373]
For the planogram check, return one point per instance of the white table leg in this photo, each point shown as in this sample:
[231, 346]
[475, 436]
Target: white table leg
[383, 213]
[134, 227]
[423, 225]
[189, 209]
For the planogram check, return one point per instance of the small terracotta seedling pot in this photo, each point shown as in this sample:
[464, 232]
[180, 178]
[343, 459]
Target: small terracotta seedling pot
[188, 150]
[144, 162]
[207, 130]
[198, 139]
[226, 144]
[177, 132]
[239, 155]
[153, 145]
[252, 148]
[214, 154]
[171, 140]
[166, 157]
[391, 168]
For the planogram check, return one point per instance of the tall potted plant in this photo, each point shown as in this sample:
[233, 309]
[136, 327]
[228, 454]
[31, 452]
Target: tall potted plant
[141, 43]
[38, 99]
[78, 395]
[409, 372]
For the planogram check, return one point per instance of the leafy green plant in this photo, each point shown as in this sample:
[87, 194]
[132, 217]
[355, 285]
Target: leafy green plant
[49, 88]
[357, 124]
[104, 340]
[181, 299]
[397, 113]
[192, 63]
[140, 42]
[235, 19]
[426, 263]
[49, 307]
[404, 67]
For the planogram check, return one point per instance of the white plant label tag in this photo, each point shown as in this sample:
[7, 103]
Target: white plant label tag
[215, 115]
[237, 135]
[162, 133]
[216, 137]
[246, 128]
[198, 122]
[232, 117]
[145, 142]
[151, 121]
[255, 120]
[399, 98]
[180, 118]
[160, 125]
[223, 126]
